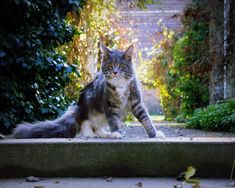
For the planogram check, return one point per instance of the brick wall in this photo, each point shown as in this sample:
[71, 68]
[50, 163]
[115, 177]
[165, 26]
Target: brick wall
[143, 25]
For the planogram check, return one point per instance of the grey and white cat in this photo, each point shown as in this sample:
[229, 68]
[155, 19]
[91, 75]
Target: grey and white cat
[102, 104]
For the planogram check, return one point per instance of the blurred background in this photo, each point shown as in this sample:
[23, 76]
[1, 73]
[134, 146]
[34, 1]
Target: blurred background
[184, 57]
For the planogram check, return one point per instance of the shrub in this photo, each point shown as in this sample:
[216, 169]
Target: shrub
[179, 64]
[33, 74]
[180, 119]
[190, 70]
[215, 117]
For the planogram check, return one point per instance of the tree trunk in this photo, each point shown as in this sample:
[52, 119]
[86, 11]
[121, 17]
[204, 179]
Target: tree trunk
[231, 53]
[216, 36]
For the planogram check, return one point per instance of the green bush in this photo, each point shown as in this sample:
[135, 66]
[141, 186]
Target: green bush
[180, 66]
[191, 83]
[33, 74]
[180, 119]
[215, 117]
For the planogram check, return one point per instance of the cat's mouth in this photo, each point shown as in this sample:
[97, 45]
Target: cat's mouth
[118, 80]
[115, 76]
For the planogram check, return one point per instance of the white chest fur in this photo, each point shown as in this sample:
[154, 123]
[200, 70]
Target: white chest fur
[121, 91]
[120, 85]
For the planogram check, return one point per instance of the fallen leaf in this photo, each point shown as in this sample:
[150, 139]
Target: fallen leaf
[181, 177]
[38, 186]
[109, 179]
[189, 173]
[56, 182]
[32, 179]
[139, 184]
[196, 186]
[178, 186]
[2, 136]
[231, 184]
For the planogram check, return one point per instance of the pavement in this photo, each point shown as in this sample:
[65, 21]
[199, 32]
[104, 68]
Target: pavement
[110, 182]
[172, 130]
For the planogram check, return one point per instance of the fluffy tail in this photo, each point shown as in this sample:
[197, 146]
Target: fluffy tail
[63, 127]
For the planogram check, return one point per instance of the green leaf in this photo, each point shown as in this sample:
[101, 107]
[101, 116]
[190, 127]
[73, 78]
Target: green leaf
[189, 173]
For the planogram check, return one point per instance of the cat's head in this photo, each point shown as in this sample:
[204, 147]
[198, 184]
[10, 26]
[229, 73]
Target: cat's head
[116, 65]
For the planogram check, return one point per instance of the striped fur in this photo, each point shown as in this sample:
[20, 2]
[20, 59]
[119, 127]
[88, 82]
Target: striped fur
[102, 104]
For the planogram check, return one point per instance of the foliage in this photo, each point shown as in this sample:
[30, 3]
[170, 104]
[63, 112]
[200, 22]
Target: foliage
[155, 71]
[95, 20]
[191, 68]
[129, 118]
[142, 3]
[33, 73]
[190, 172]
[215, 117]
[179, 66]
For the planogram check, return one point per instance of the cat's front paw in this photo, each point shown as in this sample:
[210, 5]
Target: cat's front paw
[90, 136]
[160, 134]
[116, 135]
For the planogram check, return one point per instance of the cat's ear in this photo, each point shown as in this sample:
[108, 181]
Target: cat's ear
[129, 52]
[105, 51]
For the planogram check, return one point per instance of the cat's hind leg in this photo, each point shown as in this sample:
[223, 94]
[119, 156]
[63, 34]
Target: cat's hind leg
[86, 129]
[102, 133]
[116, 135]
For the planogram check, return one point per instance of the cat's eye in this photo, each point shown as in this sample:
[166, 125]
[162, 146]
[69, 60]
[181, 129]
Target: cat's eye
[110, 66]
[121, 65]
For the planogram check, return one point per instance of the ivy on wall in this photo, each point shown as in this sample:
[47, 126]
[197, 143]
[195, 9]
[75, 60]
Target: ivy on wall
[33, 74]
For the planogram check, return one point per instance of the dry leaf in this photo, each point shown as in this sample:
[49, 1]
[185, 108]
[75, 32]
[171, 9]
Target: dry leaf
[196, 186]
[189, 173]
[2, 136]
[178, 185]
[32, 179]
[231, 184]
[181, 177]
[109, 179]
[139, 184]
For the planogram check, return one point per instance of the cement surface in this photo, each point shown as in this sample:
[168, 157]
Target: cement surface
[135, 155]
[108, 183]
[127, 140]
[172, 130]
[128, 157]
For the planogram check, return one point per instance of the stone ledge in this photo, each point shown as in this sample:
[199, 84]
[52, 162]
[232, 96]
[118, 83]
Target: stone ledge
[213, 157]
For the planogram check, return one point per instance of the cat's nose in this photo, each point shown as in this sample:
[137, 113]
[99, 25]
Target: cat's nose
[115, 72]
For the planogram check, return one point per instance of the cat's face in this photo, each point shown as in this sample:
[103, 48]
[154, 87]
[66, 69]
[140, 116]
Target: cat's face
[117, 65]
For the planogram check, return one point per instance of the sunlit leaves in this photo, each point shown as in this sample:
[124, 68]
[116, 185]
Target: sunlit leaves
[94, 21]
[178, 66]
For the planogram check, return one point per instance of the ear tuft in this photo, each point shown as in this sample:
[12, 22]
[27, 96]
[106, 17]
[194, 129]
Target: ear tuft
[129, 52]
[105, 51]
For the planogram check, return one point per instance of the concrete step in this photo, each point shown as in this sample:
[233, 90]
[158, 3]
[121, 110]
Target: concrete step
[109, 182]
[213, 157]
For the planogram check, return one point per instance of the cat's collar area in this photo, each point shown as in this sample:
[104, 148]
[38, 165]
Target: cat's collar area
[114, 87]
